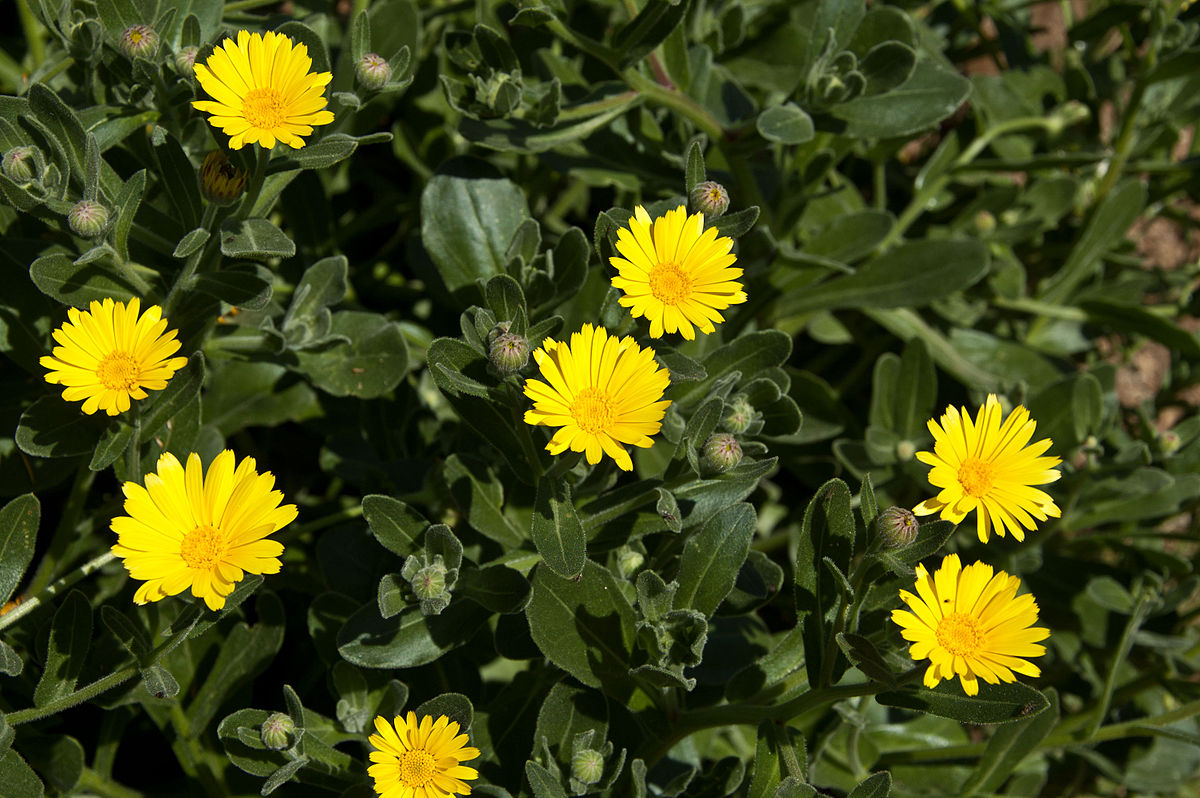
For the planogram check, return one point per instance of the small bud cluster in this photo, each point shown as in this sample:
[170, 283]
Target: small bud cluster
[430, 580]
[373, 71]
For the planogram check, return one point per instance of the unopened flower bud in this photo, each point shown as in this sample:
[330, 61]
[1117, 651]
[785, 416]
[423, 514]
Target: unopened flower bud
[278, 732]
[722, 452]
[984, 222]
[373, 71]
[896, 527]
[19, 164]
[628, 561]
[221, 182]
[88, 218]
[139, 41]
[1169, 441]
[740, 414]
[509, 353]
[905, 451]
[587, 766]
[710, 198]
[1072, 112]
[430, 581]
[185, 59]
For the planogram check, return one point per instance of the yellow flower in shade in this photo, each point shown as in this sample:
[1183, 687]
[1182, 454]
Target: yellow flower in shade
[109, 354]
[602, 391]
[262, 90]
[420, 760]
[988, 466]
[676, 273]
[970, 623]
[187, 528]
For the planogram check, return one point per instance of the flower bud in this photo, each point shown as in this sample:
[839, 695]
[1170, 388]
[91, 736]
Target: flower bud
[373, 71]
[896, 527]
[1072, 112]
[984, 222]
[430, 581]
[905, 450]
[587, 765]
[509, 353]
[88, 218]
[139, 41]
[710, 198]
[185, 59]
[221, 182]
[19, 164]
[740, 414]
[1169, 441]
[722, 452]
[628, 561]
[278, 732]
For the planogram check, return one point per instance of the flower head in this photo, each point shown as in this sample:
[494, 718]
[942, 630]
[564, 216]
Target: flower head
[676, 273]
[187, 528]
[987, 466]
[420, 759]
[602, 391]
[109, 354]
[971, 623]
[262, 90]
[221, 182]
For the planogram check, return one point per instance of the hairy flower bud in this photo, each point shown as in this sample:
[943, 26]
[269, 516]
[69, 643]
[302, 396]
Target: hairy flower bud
[740, 414]
[221, 182]
[278, 732]
[185, 60]
[373, 71]
[722, 452]
[88, 218]
[509, 353]
[19, 164]
[587, 765]
[896, 527]
[139, 41]
[628, 561]
[430, 581]
[710, 198]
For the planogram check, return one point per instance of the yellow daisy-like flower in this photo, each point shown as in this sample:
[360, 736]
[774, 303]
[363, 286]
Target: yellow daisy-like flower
[676, 273]
[187, 529]
[420, 760]
[970, 623]
[602, 391]
[109, 354]
[262, 90]
[988, 466]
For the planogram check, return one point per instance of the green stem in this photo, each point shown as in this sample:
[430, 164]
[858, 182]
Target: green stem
[247, 5]
[133, 453]
[33, 31]
[1125, 139]
[1040, 308]
[193, 262]
[1110, 682]
[64, 533]
[78, 697]
[92, 782]
[192, 756]
[347, 514]
[256, 182]
[47, 593]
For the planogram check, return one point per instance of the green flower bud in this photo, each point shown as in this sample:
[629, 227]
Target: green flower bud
[587, 766]
[139, 41]
[1072, 112]
[221, 182]
[430, 581]
[628, 561]
[710, 198]
[896, 527]
[19, 164]
[1169, 441]
[509, 353]
[722, 452]
[185, 60]
[740, 414]
[88, 218]
[373, 71]
[905, 451]
[984, 222]
[278, 732]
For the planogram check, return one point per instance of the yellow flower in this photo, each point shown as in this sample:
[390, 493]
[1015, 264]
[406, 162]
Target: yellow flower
[109, 354]
[262, 90]
[420, 760]
[987, 466]
[676, 273]
[602, 391]
[971, 623]
[190, 529]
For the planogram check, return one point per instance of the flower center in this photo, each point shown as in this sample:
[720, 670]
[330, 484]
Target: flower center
[202, 547]
[118, 371]
[976, 477]
[670, 284]
[592, 411]
[263, 108]
[416, 767]
[960, 634]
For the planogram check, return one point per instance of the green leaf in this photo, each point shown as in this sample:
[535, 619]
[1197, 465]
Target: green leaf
[159, 682]
[996, 703]
[786, 124]
[504, 297]
[930, 94]
[331, 149]
[391, 596]
[18, 534]
[694, 172]
[254, 238]
[12, 665]
[283, 775]
[749, 354]
[556, 530]
[190, 243]
[736, 225]
[480, 496]
[18, 778]
[181, 389]
[247, 286]
[1137, 319]
[369, 366]
[1008, 746]
[543, 783]
[396, 525]
[53, 428]
[455, 706]
[713, 557]
[179, 182]
[851, 236]
[877, 785]
[584, 626]
[886, 66]
[496, 588]
[66, 652]
[241, 395]
[863, 655]
[914, 273]
[58, 277]
[827, 531]
[410, 638]
[648, 29]
[323, 285]
[125, 206]
[131, 636]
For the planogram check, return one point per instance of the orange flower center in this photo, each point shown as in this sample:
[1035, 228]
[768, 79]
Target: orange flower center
[976, 477]
[118, 371]
[203, 547]
[263, 108]
[416, 767]
[670, 284]
[960, 634]
[592, 411]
